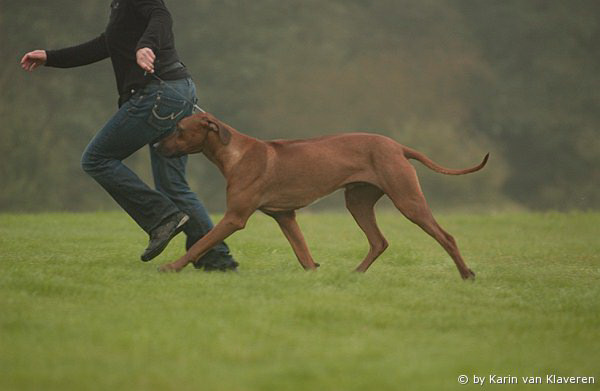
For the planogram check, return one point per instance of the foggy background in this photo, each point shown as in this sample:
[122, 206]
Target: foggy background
[453, 78]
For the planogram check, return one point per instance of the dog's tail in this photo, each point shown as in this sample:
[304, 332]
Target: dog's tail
[413, 154]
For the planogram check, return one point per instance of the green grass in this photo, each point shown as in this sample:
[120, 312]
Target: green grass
[79, 311]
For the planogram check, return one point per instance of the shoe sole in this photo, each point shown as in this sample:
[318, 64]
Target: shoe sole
[177, 230]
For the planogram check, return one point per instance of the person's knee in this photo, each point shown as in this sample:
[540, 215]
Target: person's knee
[87, 162]
[91, 163]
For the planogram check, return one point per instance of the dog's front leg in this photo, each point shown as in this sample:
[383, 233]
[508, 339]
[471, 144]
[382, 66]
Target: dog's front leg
[231, 222]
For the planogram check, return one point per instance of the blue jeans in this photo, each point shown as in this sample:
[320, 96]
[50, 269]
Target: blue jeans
[147, 116]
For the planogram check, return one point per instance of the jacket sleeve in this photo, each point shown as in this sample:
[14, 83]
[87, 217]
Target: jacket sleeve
[86, 53]
[159, 29]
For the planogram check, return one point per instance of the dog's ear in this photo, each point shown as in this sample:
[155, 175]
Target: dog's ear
[213, 126]
[223, 132]
[224, 135]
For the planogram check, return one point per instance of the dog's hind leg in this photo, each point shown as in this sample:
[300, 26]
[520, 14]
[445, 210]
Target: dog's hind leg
[406, 194]
[360, 201]
[289, 226]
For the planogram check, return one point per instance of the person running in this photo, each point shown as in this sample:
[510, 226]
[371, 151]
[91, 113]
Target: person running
[140, 43]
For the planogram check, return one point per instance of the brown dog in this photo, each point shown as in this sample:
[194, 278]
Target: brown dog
[278, 177]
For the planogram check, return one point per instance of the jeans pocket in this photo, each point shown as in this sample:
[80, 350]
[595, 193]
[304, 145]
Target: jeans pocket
[140, 103]
[166, 112]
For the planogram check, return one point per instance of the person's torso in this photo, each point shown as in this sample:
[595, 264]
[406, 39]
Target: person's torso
[126, 26]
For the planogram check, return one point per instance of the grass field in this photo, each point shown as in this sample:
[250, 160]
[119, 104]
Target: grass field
[79, 311]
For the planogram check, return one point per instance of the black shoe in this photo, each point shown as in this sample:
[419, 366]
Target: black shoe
[214, 261]
[161, 235]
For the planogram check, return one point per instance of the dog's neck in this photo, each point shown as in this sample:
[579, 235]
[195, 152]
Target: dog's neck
[225, 157]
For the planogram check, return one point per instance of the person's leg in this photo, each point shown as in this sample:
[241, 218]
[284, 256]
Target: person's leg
[169, 178]
[120, 137]
[146, 117]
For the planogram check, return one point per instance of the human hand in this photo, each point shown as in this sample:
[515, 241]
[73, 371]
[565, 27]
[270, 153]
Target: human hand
[34, 59]
[145, 58]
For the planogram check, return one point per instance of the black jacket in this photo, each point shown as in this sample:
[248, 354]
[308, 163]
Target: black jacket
[133, 24]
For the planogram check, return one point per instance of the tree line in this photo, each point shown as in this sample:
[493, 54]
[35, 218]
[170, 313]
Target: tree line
[453, 78]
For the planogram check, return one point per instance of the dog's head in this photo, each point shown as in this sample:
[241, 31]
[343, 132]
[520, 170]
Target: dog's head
[191, 134]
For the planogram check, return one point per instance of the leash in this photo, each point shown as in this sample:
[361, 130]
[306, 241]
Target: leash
[194, 105]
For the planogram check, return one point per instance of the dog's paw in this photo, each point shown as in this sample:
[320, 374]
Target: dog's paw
[469, 276]
[168, 268]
